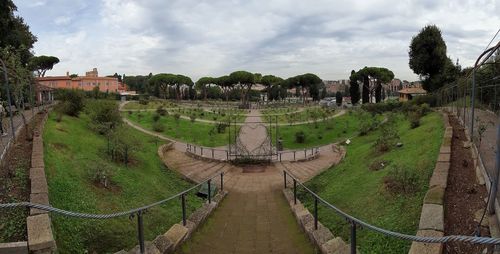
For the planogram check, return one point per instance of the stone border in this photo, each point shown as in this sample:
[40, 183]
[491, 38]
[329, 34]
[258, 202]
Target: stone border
[432, 216]
[178, 234]
[322, 237]
[40, 237]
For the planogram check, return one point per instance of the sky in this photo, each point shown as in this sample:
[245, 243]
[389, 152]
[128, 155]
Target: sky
[280, 37]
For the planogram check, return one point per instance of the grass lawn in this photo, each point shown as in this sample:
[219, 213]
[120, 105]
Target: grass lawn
[294, 115]
[355, 189]
[71, 151]
[153, 104]
[322, 133]
[214, 114]
[184, 130]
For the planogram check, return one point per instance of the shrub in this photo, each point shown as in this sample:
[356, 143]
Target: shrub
[388, 136]
[221, 127]
[104, 115]
[300, 137]
[73, 100]
[100, 174]
[193, 118]
[428, 99]
[124, 144]
[161, 111]
[414, 118]
[156, 117]
[401, 180]
[158, 126]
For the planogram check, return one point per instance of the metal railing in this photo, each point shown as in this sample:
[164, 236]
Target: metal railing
[207, 152]
[133, 212]
[355, 222]
[298, 154]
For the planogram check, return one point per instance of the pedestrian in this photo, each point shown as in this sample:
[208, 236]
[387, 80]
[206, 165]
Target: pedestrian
[2, 111]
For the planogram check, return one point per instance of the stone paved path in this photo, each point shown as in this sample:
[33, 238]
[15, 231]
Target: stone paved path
[253, 136]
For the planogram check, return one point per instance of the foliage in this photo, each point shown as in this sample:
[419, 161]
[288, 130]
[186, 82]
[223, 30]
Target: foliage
[414, 118]
[338, 98]
[380, 74]
[429, 60]
[100, 173]
[123, 144]
[401, 180]
[161, 111]
[221, 127]
[158, 126]
[354, 88]
[42, 64]
[429, 99]
[367, 122]
[104, 115]
[300, 137]
[156, 117]
[73, 100]
[388, 135]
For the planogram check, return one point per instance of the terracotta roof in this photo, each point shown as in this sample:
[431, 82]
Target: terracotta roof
[413, 90]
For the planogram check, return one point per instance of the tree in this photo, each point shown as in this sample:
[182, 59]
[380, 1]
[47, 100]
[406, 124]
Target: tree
[14, 32]
[354, 88]
[42, 64]
[338, 98]
[202, 84]
[382, 75]
[245, 80]
[428, 58]
[225, 84]
[269, 81]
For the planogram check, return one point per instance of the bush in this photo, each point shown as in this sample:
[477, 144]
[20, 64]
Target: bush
[158, 126]
[221, 127]
[161, 111]
[193, 118]
[100, 174]
[156, 117]
[401, 180]
[428, 99]
[73, 100]
[414, 118]
[388, 136]
[300, 137]
[379, 108]
[104, 115]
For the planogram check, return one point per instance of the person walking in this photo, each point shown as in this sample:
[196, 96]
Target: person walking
[2, 111]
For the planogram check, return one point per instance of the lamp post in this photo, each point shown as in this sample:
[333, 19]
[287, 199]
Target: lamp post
[8, 98]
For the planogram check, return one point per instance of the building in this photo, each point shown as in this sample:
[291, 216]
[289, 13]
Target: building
[43, 94]
[409, 93]
[86, 83]
[333, 86]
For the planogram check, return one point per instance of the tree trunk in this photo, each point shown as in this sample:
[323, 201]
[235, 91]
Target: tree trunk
[366, 90]
[378, 91]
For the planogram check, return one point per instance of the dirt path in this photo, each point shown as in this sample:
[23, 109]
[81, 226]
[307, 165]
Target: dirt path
[254, 218]
[464, 197]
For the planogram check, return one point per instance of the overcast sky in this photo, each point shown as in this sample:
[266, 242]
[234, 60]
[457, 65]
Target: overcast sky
[281, 37]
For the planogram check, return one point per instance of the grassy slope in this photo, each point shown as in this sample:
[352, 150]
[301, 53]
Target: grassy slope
[154, 104]
[187, 131]
[341, 127]
[70, 149]
[352, 187]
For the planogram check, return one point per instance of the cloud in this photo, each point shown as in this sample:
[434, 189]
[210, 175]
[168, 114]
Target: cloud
[281, 37]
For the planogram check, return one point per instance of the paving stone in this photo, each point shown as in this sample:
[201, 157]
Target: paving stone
[445, 149]
[432, 217]
[198, 216]
[39, 198]
[39, 232]
[435, 195]
[336, 246]
[39, 185]
[37, 161]
[444, 157]
[14, 248]
[37, 172]
[321, 235]
[163, 244]
[440, 175]
[305, 219]
[176, 234]
[149, 248]
[427, 248]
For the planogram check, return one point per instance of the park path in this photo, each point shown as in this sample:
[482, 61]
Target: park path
[254, 217]
[18, 123]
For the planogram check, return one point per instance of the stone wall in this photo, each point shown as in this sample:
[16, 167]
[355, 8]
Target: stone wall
[432, 216]
[40, 237]
[178, 233]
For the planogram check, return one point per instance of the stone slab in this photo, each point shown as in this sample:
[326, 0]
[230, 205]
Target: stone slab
[163, 244]
[39, 198]
[176, 234]
[427, 248]
[149, 248]
[432, 217]
[14, 248]
[440, 175]
[444, 157]
[435, 195]
[445, 149]
[37, 161]
[198, 216]
[37, 172]
[335, 246]
[39, 185]
[39, 232]
[321, 235]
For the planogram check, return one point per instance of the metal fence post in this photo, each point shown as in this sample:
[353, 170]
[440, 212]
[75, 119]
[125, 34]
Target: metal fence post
[212, 153]
[305, 153]
[293, 155]
[280, 156]
[353, 237]
[140, 231]
[494, 187]
[183, 201]
[222, 181]
[294, 191]
[284, 177]
[201, 148]
[315, 213]
[209, 191]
